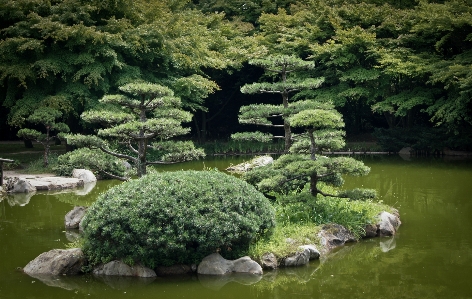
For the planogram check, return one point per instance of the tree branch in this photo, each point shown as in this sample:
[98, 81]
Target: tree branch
[132, 148]
[118, 154]
[114, 176]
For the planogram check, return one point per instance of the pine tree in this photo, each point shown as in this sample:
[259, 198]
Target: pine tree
[305, 164]
[284, 67]
[143, 112]
[48, 118]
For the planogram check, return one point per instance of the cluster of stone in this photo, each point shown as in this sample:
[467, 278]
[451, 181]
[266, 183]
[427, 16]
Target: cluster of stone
[70, 262]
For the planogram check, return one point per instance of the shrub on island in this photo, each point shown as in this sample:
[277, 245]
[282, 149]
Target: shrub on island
[175, 218]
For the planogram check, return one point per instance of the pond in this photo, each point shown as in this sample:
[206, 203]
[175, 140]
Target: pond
[431, 256]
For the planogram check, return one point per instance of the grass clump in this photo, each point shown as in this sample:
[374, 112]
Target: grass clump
[284, 240]
[299, 218]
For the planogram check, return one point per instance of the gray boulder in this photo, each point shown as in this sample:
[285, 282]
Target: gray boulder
[57, 262]
[269, 261]
[22, 186]
[246, 265]
[215, 264]
[300, 258]
[388, 224]
[314, 253]
[73, 217]
[118, 268]
[85, 175]
[371, 230]
[334, 235]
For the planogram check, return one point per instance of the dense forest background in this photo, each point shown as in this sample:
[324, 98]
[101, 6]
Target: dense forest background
[400, 69]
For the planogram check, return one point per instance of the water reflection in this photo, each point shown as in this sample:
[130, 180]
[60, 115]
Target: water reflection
[217, 282]
[19, 199]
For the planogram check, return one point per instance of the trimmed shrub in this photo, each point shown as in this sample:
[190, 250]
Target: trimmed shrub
[95, 160]
[175, 217]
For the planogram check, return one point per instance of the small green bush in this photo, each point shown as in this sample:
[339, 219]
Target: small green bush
[175, 217]
[95, 160]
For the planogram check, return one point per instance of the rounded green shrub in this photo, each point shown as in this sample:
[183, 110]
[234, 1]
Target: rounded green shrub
[175, 217]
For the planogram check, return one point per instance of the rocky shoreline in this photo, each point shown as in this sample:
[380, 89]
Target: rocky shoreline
[71, 261]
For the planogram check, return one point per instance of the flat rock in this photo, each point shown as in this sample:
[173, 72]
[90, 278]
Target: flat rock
[254, 163]
[57, 262]
[55, 183]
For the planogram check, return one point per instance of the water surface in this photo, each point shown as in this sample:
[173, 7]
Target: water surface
[431, 256]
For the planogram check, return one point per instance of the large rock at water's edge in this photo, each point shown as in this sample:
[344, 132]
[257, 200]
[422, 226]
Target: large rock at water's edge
[334, 235]
[73, 217]
[118, 268]
[215, 264]
[57, 262]
[269, 261]
[300, 258]
[388, 224]
[85, 175]
[22, 186]
[303, 255]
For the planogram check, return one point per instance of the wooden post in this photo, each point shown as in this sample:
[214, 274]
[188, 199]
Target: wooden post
[1, 168]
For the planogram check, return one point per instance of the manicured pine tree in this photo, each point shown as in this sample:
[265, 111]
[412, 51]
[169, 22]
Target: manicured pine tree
[48, 118]
[323, 131]
[285, 68]
[142, 113]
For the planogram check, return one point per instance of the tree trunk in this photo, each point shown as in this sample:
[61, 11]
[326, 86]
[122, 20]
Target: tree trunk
[312, 145]
[204, 127]
[142, 142]
[46, 149]
[28, 143]
[141, 167]
[313, 183]
[287, 130]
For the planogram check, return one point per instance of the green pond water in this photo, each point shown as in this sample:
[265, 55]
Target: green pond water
[431, 256]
